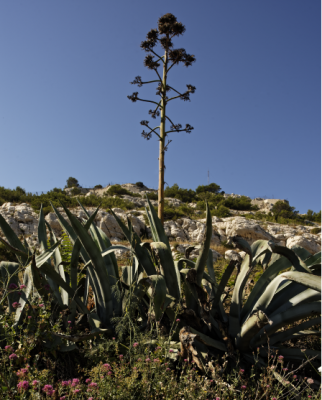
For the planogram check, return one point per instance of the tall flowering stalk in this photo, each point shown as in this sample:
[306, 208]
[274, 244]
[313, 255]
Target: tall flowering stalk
[168, 28]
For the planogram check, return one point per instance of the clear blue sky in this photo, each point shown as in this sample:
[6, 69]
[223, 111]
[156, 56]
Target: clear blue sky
[65, 71]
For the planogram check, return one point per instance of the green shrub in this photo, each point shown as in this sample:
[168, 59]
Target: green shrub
[151, 196]
[75, 191]
[221, 212]
[139, 184]
[98, 187]
[212, 188]
[315, 231]
[72, 182]
[118, 190]
[185, 195]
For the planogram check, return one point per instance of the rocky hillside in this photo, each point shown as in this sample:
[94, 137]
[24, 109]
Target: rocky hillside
[24, 221]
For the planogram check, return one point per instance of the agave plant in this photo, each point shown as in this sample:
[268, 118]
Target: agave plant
[167, 290]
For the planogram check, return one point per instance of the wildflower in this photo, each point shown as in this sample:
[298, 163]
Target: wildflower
[35, 382]
[16, 304]
[294, 376]
[23, 385]
[280, 357]
[69, 322]
[139, 359]
[8, 348]
[274, 398]
[41, 305]
[109, 373]
[88, 380]
[62, 398]
[285, 369]
[267, 386]
[185, 360]
[158, 348]
[134, 368]
[48, 389]
[217, 398]
[147, 360]
[90, 398]
[135, 344]
[121, 356]
[310, 381]
[113, 338]
[241, 371]
[66, 383]
[76, 391]
[29, 316]
[178, 320]
[168, 369]
[170, 351]
[22, 372]
[13, 356]
[106, 367]
[156, 360]
[22, 286]
[13, 286]
[243, 387]
[93, 385]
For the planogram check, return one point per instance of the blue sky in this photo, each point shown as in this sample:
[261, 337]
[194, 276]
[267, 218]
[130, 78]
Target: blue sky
[65, 71]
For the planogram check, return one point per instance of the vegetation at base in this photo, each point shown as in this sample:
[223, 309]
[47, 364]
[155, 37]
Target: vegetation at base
[118, 190]
[316, 231]
[219, 205]
[140, 184]
[98, 187]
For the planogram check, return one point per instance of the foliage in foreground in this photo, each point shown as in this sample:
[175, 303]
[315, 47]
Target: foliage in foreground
[185, 303]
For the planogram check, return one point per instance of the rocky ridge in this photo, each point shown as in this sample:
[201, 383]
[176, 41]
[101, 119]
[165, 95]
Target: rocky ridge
[24, 222]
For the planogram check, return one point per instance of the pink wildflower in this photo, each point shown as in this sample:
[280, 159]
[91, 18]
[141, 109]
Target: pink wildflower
[23, 385]
[13, 356]
[185, 360]
[69, 322]
[62, 398]
[121, 356]
[241, 371]
[147, 360]
[23, 286]
[76, 391]
[29, 316]
[13, 286]
[135, 344]
[285, 369]
[170, 351]
[66, 383]
[280, 357]
[178, 320]
[35, 382]
[41, 305]
[88, 380]
[16, 304]
[243, 387]
[139, 359]
[8, 348]
[310, 381]
[168, 369]
[93, 385]
[109, 373]
[294, 376]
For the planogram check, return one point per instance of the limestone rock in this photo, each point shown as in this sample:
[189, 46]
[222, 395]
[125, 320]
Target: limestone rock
[232, 255]
[305, 242]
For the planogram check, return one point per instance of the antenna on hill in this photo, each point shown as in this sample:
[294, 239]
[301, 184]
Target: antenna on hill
[208, 176]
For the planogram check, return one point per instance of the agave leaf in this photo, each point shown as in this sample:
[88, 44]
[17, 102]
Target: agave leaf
[157, 226]
[313, 260]
[105, 305]
[295, 313]
[141, 252]
[25, 294]
[42, 234]
[302, 278]
[236, 301]
[282, 297]
[157, 291]
[301, 253]
[278, 263]
[250, 328]
[9, 271]
[243, 245]
[13, 239]
[168, 270]
[203, 253]
[209, 341]
[289, 333]
[228, 271]
[307, 295]
[297, 263]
